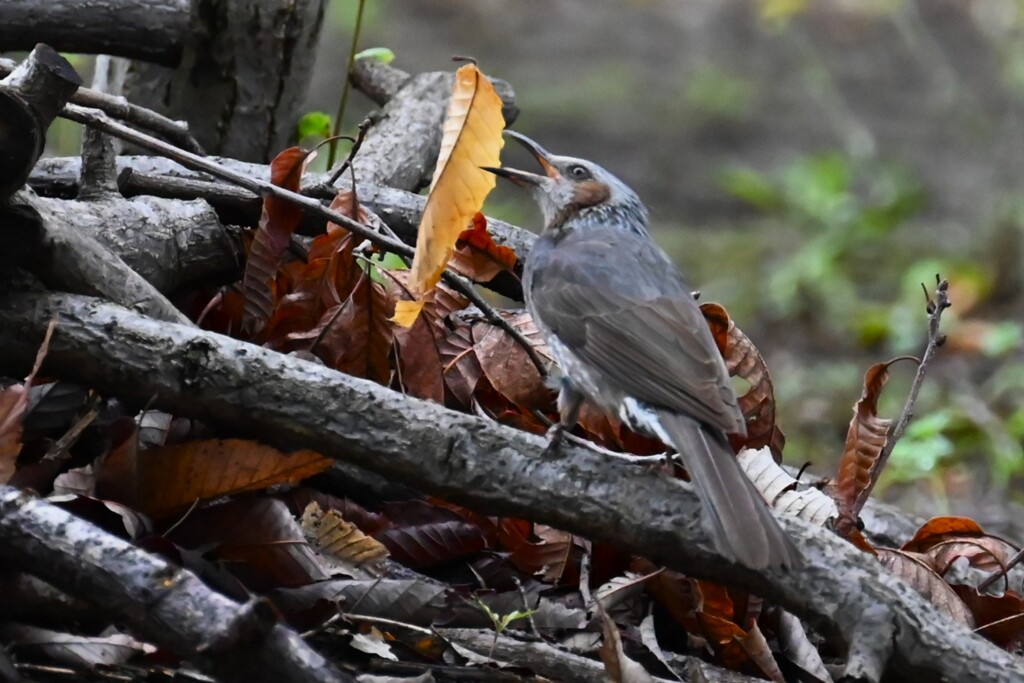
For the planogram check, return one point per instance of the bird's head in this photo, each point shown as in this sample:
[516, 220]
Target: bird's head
[575, 192]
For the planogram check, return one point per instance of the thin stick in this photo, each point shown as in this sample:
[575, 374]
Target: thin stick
[363, 127]
[387, 622]
[120, 108]
[1014, 561]
[331, 155]
[98, 120]
[59, 450]
[935, 309]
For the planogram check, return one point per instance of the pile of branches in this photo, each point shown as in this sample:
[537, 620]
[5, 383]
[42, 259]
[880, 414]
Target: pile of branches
[220, 446]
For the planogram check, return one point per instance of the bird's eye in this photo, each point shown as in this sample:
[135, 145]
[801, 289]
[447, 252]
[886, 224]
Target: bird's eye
[578, 172]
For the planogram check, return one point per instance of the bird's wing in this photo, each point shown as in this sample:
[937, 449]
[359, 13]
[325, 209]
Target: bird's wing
[616, 301]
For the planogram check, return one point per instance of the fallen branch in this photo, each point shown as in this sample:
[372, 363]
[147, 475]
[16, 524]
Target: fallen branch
[65, 258]
[495, 469]
[171, 244]
[120, 108]
[162, 177]
[160, 603]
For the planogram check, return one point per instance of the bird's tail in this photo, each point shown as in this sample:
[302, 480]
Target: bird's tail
[742, 525]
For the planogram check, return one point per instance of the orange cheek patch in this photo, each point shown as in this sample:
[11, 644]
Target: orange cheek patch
[590, 192]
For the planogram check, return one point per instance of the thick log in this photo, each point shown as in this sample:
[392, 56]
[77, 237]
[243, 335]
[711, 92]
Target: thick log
[497, 470]
[160, 603]
[242, 76]
[68, 259]
[154, 30]
[30, 98]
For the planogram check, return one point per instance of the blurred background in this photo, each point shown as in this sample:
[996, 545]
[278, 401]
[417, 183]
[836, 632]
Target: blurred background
[808, 164]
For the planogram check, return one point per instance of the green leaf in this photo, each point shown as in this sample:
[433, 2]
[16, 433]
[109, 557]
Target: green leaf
[752, 187]
[383, 55]
[315, 123]
[512, 616]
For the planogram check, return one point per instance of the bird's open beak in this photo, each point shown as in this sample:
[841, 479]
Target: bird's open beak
[525, 177]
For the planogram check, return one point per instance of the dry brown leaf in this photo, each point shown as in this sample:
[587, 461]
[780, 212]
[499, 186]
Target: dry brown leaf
[257, 539]
[550, 557]
[477, 256]
[429, 357]
[865, 439]
[717, 615]
[917, 570]
[1000, 619]
[744, 360]
[471, 138]
[506, 364]
[617, 666]
[673, 592]
[171, 478]
[13, 403]
[278, 221]
[944, 539]
[330, 534]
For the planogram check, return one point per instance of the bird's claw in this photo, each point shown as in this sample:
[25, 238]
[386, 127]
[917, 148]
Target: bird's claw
[556, 435]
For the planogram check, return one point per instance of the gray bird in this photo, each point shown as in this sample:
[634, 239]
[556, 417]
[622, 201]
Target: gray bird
[628, 336]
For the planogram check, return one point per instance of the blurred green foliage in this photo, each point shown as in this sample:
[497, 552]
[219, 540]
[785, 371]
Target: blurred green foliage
[844, 279]
[716, 95]
[843, 209]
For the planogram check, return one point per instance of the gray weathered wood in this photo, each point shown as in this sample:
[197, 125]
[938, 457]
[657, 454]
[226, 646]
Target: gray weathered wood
[497, 470]
[154, 30]
[242, 77]
[160, 603]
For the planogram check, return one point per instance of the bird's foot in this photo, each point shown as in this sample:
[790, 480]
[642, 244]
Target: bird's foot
[669, 464]
[556, 434]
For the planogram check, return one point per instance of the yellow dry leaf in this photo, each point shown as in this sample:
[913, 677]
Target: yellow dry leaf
[329, 533]
[406, 312]
[471, 138]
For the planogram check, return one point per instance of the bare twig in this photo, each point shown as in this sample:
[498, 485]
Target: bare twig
[527, 609]
[59, 450]
[935, 308]
[387, 622]
[363, 127]
[120, 108]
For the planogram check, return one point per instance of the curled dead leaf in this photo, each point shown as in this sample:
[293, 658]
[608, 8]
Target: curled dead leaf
[277, 223]
[332, 535]
[477, 256]
[471, 138]
[917, 570]
[744, 361]
[865, 439]
[945, 539]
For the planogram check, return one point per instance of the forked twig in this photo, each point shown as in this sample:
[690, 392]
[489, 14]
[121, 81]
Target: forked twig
[935, 307]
